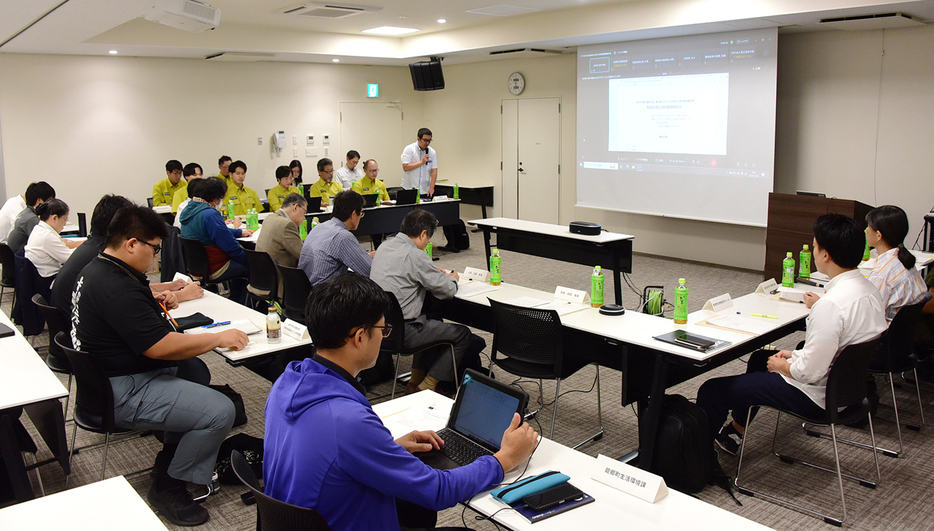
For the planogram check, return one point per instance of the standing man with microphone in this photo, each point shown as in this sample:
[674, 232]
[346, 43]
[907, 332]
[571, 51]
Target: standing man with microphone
[420, 164]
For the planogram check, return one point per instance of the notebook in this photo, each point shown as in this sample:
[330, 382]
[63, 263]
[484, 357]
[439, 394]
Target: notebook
[482, 411]
[406, 197]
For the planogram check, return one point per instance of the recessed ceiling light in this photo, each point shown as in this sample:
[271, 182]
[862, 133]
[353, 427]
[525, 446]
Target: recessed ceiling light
[441, 21]
[335, 60]
[390, 30]
[113, 52]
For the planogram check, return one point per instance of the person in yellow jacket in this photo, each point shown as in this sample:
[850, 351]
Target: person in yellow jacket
[191, 171]
[282, 190]
[223, 165]
[242, 197]
[164, 191]
[369, 184]
[325, 187]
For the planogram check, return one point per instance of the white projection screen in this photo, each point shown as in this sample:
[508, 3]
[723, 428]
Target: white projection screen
[681, 127]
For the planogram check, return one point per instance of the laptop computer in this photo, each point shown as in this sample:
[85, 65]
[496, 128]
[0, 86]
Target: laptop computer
[369, 200]
[314, 203]
[482, 411]
[406, 197]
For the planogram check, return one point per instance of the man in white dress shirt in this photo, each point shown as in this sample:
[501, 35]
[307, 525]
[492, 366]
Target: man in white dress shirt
[420, 164]
[351, 171]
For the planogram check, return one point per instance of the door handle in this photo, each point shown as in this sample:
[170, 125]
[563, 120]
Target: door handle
[521, 170]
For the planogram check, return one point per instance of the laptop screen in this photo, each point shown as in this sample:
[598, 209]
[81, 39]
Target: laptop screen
[485, 412]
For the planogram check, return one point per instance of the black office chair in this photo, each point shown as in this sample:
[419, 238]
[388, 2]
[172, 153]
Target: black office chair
[899, 357]
[8, 277]
[94, 400]
[846, 403]
[532, 342]
[264, 280]
[56, 360]
[198, 265]
[395, 343]
[295, 290]
[272, 514]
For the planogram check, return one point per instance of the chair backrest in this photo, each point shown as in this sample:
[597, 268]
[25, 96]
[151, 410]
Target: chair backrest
[9, 265]
[899, 339]
[295, 290]
[846, 383]
[57, 323]
[196, 259]
[393, 344]
[272, 514]
[527, 334]
[263, 275]
[94, 397]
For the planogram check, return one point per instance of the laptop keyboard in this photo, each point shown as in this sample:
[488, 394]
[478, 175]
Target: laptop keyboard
[460, 449]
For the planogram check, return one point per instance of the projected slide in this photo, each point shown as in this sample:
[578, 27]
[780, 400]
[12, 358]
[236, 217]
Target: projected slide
[681, 127]
[677, 114]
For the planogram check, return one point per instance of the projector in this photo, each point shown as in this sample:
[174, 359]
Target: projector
[585, 227]
[188, 15]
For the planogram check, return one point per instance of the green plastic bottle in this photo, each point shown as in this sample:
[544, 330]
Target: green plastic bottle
[804, 262]
[428, 250]
[681, 303]
[496, 272]
[314, 222]
[788, 271]
[418, 195]
[457, 191]
[303, 229]
[379, 195]
[230, 210]
[596, 287]
[866, 252]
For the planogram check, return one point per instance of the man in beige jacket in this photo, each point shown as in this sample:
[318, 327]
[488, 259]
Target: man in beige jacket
[279, 236]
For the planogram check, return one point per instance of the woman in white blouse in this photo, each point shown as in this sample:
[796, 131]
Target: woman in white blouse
[45, 248]
[894, 273]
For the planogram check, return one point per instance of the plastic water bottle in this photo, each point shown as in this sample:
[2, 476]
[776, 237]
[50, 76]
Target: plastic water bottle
[596, 287]
[788, 271]
[230, 210]
[314, 222]
[804, 262]
[866, 252]
[428, 250]
[418, 195]
[457, 191]
[496, 272]
[273, 326]
[681, 303]
[303, 229]
[379, 195]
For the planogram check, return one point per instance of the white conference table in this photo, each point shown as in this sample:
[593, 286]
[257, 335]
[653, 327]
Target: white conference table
[108, 504]
[611, 507]
[26, 381]
[221, 309]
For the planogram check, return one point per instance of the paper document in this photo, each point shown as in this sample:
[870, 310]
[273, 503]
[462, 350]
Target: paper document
[562, 307]
[244, 325]
[469, 288]
[418, 417]
[750, 325]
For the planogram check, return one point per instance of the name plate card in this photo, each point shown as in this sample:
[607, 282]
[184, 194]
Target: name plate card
[473, 273]
[633, 481]
[440, 198]
[571, 295]
[719, 303]
[767, 287]
[295, 330]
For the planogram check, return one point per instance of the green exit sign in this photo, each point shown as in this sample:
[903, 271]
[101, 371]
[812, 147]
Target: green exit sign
[372, 90]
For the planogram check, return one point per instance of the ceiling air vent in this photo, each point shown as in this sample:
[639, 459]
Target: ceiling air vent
[871, 22]
[327, 11]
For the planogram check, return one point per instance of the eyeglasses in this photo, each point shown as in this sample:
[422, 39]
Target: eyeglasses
[155, 248]
[426, 140]
[386, 329]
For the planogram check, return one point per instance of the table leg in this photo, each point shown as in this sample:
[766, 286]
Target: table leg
[49, 421]
[617, 279]
[486, 245]
[13, 459]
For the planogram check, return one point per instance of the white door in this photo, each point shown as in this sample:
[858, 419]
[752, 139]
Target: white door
[531, 159]
[374, 129]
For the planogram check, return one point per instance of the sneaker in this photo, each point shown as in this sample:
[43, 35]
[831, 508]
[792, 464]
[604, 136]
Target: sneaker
[176, 506]
[728, 439]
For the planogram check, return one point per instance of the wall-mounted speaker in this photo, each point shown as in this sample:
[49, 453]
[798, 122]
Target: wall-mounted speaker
[426, 75]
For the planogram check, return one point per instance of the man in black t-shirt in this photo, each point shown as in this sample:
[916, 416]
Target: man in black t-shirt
[157, 382]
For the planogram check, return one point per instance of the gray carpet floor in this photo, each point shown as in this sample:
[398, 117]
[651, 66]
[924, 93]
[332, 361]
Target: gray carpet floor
[898, 502]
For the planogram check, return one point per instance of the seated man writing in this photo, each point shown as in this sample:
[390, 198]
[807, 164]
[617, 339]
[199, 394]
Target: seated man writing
[851, 312]
[326, 449]
[158, 382]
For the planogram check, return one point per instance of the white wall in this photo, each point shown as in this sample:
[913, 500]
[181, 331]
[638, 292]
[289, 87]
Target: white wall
[96, 125]
[851, 122]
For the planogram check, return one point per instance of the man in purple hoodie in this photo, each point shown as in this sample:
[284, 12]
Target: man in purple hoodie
[326, 449]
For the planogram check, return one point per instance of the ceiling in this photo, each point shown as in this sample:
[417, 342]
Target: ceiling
[258, 30]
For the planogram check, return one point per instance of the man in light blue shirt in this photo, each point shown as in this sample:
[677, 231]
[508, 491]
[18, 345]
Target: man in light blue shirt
[330, 249]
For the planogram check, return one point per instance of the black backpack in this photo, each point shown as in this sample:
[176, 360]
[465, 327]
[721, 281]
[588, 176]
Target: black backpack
[684, 453]
[461, 238]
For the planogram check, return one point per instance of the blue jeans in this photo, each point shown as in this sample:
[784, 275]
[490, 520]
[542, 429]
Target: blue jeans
[238, 275]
